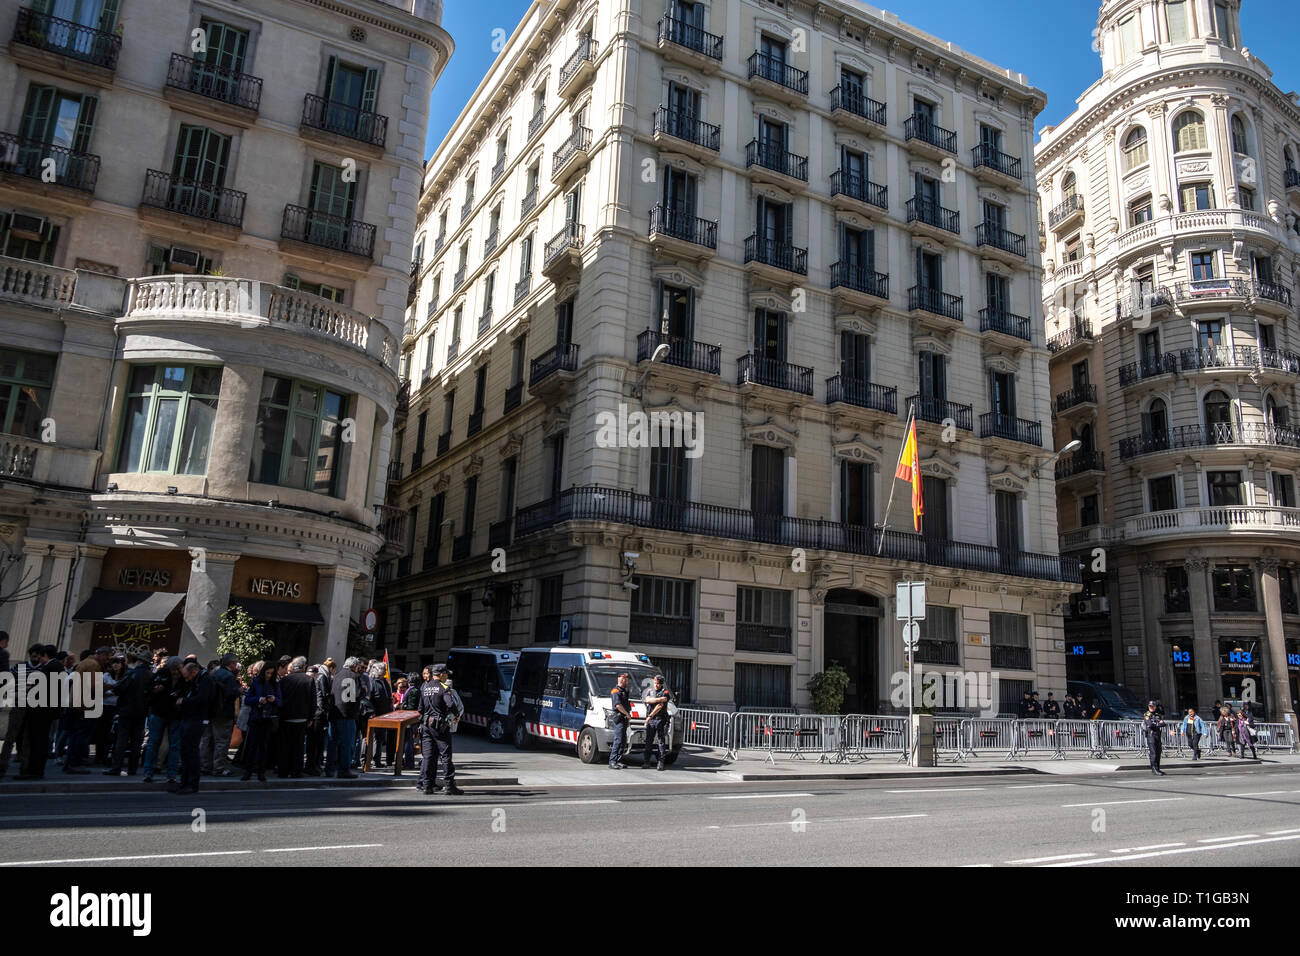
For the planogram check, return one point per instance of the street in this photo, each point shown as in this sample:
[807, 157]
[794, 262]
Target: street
[1240, 816]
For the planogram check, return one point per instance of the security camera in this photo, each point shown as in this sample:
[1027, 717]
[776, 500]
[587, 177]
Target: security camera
[629, 586]
[631, 555]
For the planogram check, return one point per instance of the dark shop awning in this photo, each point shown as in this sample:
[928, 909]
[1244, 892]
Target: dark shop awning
[148, 607]
[279, 612]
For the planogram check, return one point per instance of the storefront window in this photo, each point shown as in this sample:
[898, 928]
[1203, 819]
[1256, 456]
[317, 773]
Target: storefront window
[25, 380]
[1240, 672]
[297, 439]
[1234, 588]
[170, 410]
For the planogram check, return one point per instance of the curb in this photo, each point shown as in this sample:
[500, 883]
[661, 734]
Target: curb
[240, 787]
[954, 773]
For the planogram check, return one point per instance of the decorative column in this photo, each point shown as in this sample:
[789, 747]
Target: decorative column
[1221, 145]
[1274, 671]
[22, 630]
[1159, 669]
[334, 597]
[54, 599]
[85, 578]
[206, 600]
[1208, 685]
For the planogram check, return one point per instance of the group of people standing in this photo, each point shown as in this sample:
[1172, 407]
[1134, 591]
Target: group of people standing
[1236, 731]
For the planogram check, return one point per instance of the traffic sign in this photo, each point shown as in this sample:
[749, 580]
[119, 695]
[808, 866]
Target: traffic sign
[370, 620]
[911, 634]
[909, 601]
[566, 631]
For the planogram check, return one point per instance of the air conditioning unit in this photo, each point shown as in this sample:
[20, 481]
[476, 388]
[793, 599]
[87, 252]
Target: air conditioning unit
[27, 227]
[1095, 605]
[183, 260]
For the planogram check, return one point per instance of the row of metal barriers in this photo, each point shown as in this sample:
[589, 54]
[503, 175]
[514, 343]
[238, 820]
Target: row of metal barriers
[855, 737]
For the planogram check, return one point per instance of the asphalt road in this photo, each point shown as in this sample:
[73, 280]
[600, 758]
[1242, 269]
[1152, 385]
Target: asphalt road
[1249, 817]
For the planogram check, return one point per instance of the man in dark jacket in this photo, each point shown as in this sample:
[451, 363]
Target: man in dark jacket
[1153, 725]
[318, 728]
[132, 710]
[298, 708]
[437, 708]
[193, 709]
[346, 691]
[39, 720]
[214, 748]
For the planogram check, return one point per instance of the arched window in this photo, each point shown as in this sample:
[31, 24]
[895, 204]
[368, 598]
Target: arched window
[1135, 148]
[1189, 132]
[1069, 187]
[1218, 418]
[1240, 142]
[1156, 421]
[1288, 158]
[1279, 416]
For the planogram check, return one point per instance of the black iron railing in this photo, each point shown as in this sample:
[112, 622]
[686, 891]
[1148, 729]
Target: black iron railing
[1292, 178]
[523, 287]
[992, 234]
[939, 411]
[570, 237]
[485, 321]
[1148, 366]
[330, 232]
[596, 503]
[578, 142]
[860, 279]
[660, 631]
[453, 351]
[585, 53]
[1079, 462]
[1204, 435]
[536, 122]
[1008, 323]
[1278, 359]
[514, 397]
[768, 156]
[918, 127]
[774, 373]
[863, 394]
[931, 213]
[857, 186]
[936, 301]
[203, 79]
[475, 423]
[1271, 290]
[1012, 658]
[561, 358]
[341, 119]
[1081, 331]
[997, 425]
[1214, 288]
[780, 255]
[1076, 395]
[775, 70]
[1144, 299]
[684, 125]
[458, 279]
[191, 198]
[528, 203]
[996, 160]
[26, 158]
[682, 353]
[935, 652]
[681, 224]
[1065, 209]
[490, 243]
[765, 638]
[66, 38]
[498, 170]
[853, 100]
[672, 30]
[1218, 356]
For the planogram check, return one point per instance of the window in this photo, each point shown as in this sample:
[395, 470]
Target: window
[677, 675]
[1246, 197]
[464, 610]
[997, 292]
[1239, 142]
[855, 357]
[557, 464]
[25, 382]
[550, 592]
[1223, 488]
[470, 513]
[937, 524]
[855, 493]
[1290, 605]
[448, 410]
[1283, 490]
[1209, 334]
[938, 642]
[1189, 132]
[1203, 266]
[1223, 23]
[1069, 186]
[564, 323]
[1155, 421]
[1009, 640]
[1006, 506]
[1089, 511]
[1135, 149]
[1177, 598]
[333, 293]
[1234, 588]
[1139, 211]
[1194, 196]
[662, 611]
[1176, 20]
[763, 620]
[1130, 38]
[170, 411]
[354, 90]
[526, 256]
[677, 317]
[430, 636]
[1218, 416]
[33, 246]
[433, 532]
[933, 376]
[296, 442]
[331, 202]
[200, 161]
[1162, 494]
[1073, 249]
[58, 118]
[762, 685]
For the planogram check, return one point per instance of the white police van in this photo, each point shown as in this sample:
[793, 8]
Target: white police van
[483, 678]
[563, 693]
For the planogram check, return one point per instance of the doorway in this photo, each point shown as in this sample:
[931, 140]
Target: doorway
[850, 637]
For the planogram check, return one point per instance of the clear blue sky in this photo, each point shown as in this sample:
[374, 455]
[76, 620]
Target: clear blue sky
[1050, 42]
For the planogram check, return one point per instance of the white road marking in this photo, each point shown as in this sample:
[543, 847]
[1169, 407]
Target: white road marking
[561, 803]
[1239, 836]
[1036, 786]
[308, 849]
[127, 859]
[900, 816]
[1262, 793]
[1049, 859]
[1154, 846]
[1280, 832]
[758, 796]
[786, 823]
[1187, 849]
[939, 790]
[1108, 803]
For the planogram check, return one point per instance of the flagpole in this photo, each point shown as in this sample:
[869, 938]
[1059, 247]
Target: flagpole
[907, 430]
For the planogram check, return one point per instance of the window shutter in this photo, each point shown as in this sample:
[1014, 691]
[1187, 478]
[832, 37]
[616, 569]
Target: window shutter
[371, 91]
[36, 114]
[85, 124]
[331, 72]
[108, 16]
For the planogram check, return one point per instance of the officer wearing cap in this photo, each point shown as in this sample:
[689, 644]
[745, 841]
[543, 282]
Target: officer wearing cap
[437, 714]
[620, 703]
[656, 721]
[1051, 709]
[1153, 725]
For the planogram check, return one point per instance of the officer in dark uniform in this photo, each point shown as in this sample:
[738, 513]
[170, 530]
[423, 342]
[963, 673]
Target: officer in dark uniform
[1035, 710]
[656, 720]
[620, 700]
[1051, 709]
[1022, 709]
[1153, 725]
[437, 709]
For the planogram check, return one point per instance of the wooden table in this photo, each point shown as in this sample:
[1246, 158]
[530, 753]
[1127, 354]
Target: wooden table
[397, 720]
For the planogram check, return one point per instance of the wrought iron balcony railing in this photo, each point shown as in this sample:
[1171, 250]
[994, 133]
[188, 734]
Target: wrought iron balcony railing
[585, 53]
[561, 358]
[992, 234]
[204, 79]
[475, 423]
[26, 158]
[514, 397]
[935, 301]
[682, 224]
[996, 160]
[853, 100]
[1008, 323]
[860, 279]
[682, 353]
[684, 125]
[570, 237]
[1082, 394]
[328, 116]
[1065, 209]
[857, 186]
[775, 70]
[1081, 331]
[863, 394]
[329, 232]
[1148, 366]
[768, 156]
[779, 255]
[931, 213]
[190, 198]
[1079, 462]
[579, 141]
[523, 287]
[528, 203]
[673, 30]
[66, 38]
[774, 373]
[997, 425]
[938, 411]
[918, 127]
[536, 122]
[1204, 435]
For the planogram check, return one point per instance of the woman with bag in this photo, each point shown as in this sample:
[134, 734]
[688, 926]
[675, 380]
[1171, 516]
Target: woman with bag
[1227, 727]
[262, 702]
[1246, 732]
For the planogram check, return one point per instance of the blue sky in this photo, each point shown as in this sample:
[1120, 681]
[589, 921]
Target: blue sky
[1051, 43]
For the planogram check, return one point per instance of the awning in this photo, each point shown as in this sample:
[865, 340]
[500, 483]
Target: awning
[149, 607]
[277, 612]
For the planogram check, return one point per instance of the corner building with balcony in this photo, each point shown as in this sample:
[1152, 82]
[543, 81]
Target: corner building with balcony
[1171, 197]
[791, 220]
[206, 212]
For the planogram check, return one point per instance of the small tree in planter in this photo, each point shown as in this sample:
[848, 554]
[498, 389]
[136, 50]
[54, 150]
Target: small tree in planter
[828, 687]
[240, 635]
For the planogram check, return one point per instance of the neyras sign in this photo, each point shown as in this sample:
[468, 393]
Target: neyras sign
[75, 910]
[156, 578]
[270, 587]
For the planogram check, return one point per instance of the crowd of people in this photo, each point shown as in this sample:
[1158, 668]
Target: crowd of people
[1072, 708]
[169, 716]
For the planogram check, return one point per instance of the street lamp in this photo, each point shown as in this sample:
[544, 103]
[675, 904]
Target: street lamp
[660, 353]
[1074, 445]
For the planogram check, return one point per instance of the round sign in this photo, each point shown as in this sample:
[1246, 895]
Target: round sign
[911, 634]
[370, 620]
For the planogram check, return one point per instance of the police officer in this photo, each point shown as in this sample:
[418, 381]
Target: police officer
[656, 720]
[437, 713]
[1051, 709]
[620, 700]
[1035, 710]
[1153, 725]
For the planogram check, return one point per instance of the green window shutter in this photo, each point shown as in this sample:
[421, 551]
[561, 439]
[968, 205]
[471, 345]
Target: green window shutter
[85, 123]
[108, 16]
[42, 6]
[331, 71]
[290, 281]
[37, 112]
[370, 92]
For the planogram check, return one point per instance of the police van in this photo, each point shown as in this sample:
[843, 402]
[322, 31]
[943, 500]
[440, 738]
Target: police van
[483, 678]
[563, 694]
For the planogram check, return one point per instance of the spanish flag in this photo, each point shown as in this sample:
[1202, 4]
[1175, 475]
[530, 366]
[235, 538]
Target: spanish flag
[386, 677]
[909, 469]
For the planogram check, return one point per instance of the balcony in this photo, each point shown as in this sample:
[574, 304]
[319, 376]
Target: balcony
[1276, 365]
[1065, 214]
[856, 193]
[776, 77]
[861, 394]
[403, 399]
[475, 423]
[682, 131]
[939, 411]
[687, 43]
[499, 534]
[1009, 658]
[222, 93]
[679, 232]
[1212, 358]
[528, 203]
[1211, 435]
[660, 631]
[558, 363]
[52, 44]
[498, 171]
[1144, 301]
[328, 232]
[1010, 428]
[571, 156]
[458, 279]
[852, 105]
[523, 287]
[936, 652]
[535, 123]
[986, 158]
[485, 321]
[682, 353]
[578, 68]
[490, 243]
[1245, 520]
[1292, 178]
[1212, 292]
[769, 255]
[1208, 226]
[773, 164]
[189, 199]
[929, 137]
[1005, 323]
[563, 254]
[75, 174]
[1147, 368]
[1094, 536]
[1080, 463]
[461, 545]
[1271, 298]
[1078, 396]
[392, 528]
[514, 398]
[935, 301]
[467, 209]
[928, 212]
[859, 285]
[1067, 341]
[326, 120]
[596, 504]
[453, 351]
[773, 373]
[443, 446]
[997, 237]
[438, 245]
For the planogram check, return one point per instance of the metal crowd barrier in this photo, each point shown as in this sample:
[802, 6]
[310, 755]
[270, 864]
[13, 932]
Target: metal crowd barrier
[865, 735]
[1076, 736]
[1275, 737]
[990, 734]
[947, 738]
[705, 728]
[1037, 736]
[1123, 736]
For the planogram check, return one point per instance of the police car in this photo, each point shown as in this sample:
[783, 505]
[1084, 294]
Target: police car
[563, 694]
[483, 678]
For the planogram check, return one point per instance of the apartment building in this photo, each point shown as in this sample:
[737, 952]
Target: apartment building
[1171, 198]
[783, 223]
[206, 215]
